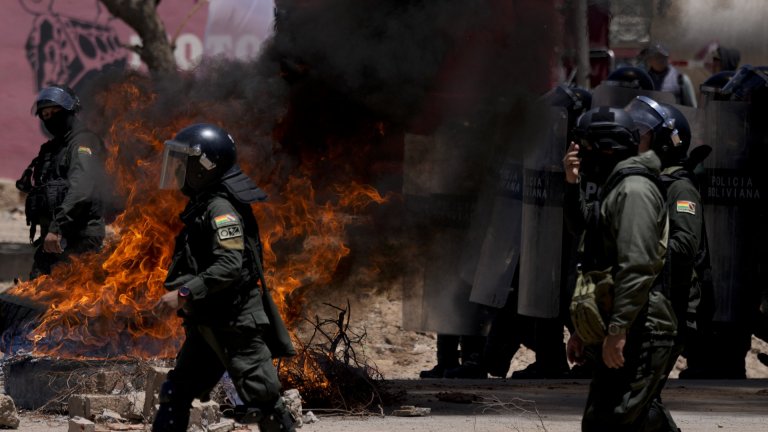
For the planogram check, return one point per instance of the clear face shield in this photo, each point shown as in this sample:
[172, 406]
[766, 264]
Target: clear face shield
[648, 120]
[174, 169]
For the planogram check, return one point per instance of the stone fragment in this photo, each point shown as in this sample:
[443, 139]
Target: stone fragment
[411, 411]
[79, 424]
[9, 417]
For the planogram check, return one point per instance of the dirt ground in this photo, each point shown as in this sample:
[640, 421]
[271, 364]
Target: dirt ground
[488, 405]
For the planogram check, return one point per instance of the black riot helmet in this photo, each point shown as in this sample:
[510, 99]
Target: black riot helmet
[56, 95]
[712, 87]
[650, 117]
[630, 77]
[677, 154]
[198, 157]
[748, 83]
[608, 129]
[58, 123]
[607, 136]
[575, 100]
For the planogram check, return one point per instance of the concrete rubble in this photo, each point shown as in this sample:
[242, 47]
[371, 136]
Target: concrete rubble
[9, 416]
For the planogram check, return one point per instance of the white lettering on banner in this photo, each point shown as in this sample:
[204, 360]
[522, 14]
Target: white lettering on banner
[189, 50]
[248, 46]
[244, 47]
[217, 44]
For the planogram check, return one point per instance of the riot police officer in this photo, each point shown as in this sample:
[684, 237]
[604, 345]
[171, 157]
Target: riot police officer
[630, 77]
[62, 183]
[214, 283]
[686, 272]
[623, 324]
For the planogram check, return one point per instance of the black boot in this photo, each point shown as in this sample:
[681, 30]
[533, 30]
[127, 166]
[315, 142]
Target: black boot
[447, 356]
[438, 371]
[279, 420]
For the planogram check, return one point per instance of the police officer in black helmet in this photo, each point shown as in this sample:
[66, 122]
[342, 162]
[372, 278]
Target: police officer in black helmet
[630, 77]
[623, 325]
[64, 198]
[215, 283]
[687, 274]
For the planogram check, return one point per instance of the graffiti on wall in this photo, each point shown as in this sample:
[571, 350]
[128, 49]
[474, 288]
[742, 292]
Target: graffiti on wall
[67, 50]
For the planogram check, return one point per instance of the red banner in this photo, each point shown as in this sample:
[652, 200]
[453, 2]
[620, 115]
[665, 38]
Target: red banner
[68, 41]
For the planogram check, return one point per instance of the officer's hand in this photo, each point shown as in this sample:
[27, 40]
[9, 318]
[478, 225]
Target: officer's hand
[613, 350]
[575, 349]
[52, 243]
[571, 163]
[169, 302]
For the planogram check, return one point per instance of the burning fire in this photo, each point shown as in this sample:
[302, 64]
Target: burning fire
[101, 305]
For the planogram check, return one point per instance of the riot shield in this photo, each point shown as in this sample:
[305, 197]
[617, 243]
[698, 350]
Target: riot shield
[542, 221]
[732, 198]
[440, 189]
[619, 97]
[499, 221]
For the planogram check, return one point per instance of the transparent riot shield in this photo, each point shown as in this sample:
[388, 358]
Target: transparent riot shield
[619, 97]
[542, 221]
[440, 190]
[732, 200]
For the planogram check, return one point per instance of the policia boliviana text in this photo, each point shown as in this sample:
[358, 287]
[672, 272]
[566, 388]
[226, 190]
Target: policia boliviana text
[63, 183]
[215, 282]
[624, 321]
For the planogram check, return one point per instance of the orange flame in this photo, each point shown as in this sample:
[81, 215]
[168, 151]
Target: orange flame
[100, 305]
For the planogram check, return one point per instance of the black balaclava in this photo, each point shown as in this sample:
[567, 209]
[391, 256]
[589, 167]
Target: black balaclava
[59, 123]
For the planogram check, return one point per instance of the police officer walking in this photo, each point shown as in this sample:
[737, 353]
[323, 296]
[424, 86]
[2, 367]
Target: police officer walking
[214, 282]
[623, 323]
[61, 183]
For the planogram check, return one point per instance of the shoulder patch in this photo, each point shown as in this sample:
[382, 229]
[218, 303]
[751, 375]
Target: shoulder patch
[225, 220]
[228, 232]
[84, 150]
[686, 207]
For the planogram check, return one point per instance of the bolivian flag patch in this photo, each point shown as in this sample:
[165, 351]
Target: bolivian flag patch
[84, 150]
[686, 207]
[225, 220]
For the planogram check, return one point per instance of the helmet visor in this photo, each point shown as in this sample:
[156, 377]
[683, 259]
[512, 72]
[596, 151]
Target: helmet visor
[649, 115]
[174, 170]
[53, 96]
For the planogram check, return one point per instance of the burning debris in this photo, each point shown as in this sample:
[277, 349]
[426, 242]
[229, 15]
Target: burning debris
[333, 376]
[100, 306]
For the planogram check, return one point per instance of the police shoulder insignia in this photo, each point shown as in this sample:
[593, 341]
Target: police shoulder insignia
[228, 232]
[84, 150]
[225, 220]
[686, 207]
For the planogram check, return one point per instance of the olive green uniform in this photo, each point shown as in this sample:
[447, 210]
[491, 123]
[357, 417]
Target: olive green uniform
[686, 231]
[65, 197]
[224, 318]
[631, 234]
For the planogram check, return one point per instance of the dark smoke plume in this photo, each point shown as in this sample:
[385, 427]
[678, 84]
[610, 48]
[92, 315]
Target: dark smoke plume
[340, 85]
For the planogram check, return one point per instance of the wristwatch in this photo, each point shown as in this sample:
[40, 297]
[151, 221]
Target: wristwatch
[615, 330]
[184, 292]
